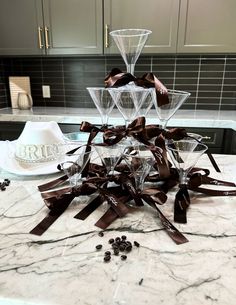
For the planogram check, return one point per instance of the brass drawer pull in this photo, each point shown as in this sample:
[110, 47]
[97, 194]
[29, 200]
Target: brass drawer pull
[40, 37]
[46, 30]
[106, 36]
[206, 138]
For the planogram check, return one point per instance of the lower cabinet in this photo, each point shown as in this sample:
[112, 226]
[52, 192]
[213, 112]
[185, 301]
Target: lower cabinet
[212, 137]
[219, 141]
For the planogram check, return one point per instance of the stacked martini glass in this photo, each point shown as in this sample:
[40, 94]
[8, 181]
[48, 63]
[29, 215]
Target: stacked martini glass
[131, 100]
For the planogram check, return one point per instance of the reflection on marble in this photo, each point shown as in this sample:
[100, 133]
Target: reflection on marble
[63, 267]
[183, 118]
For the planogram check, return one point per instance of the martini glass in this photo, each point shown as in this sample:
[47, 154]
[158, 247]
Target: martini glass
[74, 164]
[109, 155]
[130, 99]
[184, 154]
[166, 111]
[103, 101]
[140, 161]
[146, 103]
[130, 43]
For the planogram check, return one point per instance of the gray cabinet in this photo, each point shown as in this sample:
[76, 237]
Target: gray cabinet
[212, 137]
[73, 26]
[20, 22]
[34, 27]
[161, 17]
[207, 26]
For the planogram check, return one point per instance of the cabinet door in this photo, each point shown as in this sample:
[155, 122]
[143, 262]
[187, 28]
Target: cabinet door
[74, 26]
[20, 22]
[161, 17]
[207, 26]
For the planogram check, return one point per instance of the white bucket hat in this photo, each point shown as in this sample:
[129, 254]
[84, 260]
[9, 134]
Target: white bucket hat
[39, 142]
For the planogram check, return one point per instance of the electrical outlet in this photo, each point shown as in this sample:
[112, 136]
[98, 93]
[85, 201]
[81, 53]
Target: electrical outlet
[46, 91]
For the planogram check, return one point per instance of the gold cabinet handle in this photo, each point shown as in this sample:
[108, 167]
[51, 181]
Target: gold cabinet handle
[46, 30]
[40, 37]
[106, 36]
[206, 138]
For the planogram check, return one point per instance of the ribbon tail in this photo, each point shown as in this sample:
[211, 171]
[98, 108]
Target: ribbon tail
[49, 219]
[107, 219]
[182, 202]
[171, 230]
[213, 162]
[53, 183]
[90, 208]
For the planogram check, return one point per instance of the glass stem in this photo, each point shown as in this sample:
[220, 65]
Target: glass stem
[183, 179]
[163, 124]
[104, 119]
[130, 68]
[139, 182]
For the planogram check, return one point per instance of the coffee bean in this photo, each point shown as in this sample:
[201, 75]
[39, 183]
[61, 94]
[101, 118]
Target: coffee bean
[116, 251]
[136, 244]
[123, 237]
[98, 247]
[111, 240]
[107, 258]
[115, 246]
[123, 257]
[101, 234]
[108, 253]
[118, 240]
[122, 248]
[128, 248]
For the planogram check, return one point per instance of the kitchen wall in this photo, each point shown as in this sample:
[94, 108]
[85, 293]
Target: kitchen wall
[211, 79]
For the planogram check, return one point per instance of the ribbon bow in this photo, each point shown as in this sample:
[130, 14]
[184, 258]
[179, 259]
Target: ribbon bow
[115, 135]
[116, 78]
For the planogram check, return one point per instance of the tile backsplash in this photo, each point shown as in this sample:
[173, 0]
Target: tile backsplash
[211, 79]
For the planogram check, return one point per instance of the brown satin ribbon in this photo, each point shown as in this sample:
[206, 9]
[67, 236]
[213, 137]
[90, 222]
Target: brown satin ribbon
[116, 78]
[58, 201]
[196, 179]
[115, 135]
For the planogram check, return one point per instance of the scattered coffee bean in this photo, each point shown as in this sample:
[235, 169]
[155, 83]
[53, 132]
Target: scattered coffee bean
[128, 248]
[107, 258]
[3, 184]
[122, 248]
[111, 240]
[116, 251]
[118, 244]
[98, 247]
[118, 240]
[115, 246]
[123, 257]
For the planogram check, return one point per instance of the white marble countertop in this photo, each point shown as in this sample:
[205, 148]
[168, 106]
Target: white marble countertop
[182, 118]
[63, 267]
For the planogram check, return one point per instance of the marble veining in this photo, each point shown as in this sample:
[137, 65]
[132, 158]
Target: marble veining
[183, 118]
[63, 267]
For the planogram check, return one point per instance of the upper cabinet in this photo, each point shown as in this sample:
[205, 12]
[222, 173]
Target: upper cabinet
[34, 27]
[73, 26]
[20, 23]
[161, 17]
[60, 27]
[207, 26]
